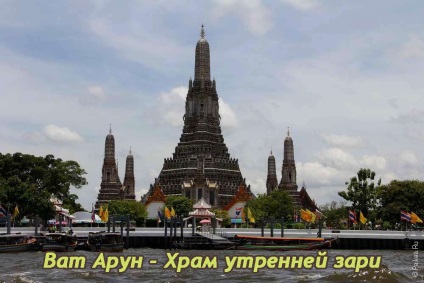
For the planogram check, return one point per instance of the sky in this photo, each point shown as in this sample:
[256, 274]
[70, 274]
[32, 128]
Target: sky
[345, 76]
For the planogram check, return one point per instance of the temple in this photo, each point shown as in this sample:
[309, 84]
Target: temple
[111, 187]
[300, 199]
[201, 166]
[271, 179]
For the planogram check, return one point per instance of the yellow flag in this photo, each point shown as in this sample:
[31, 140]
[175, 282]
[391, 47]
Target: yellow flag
[106, 215]
[313, 216]
[167, 212]
[362, 218]
[305, 215]
[101, 212]
[250, 216]
[172, 211]
[415, 218]
[16, 212]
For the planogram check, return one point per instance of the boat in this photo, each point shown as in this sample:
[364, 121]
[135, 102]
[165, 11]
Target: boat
[105, 242]
[280, 244]
[16, 243]
[60, 242]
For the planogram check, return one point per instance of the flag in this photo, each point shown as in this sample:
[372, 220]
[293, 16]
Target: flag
[106, 215]
[250, 216]
[243, 216]
[172, 211]
[238, 210]
[352, 216]
[101, 212]
[415, 218]
[362, 218]
[305, 216]
[93, 216]
[16, 212]
[313, 216]
[405, 216]
[167, 212]
[159, 216]
[3, 212]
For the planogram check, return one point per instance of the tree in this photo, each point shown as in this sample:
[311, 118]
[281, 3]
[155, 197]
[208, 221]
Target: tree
[335, 213]
[181, 204]
[361, 191]
[135, 209]
[405, 195]
[223, 214]
[276, 205]
[29, 182]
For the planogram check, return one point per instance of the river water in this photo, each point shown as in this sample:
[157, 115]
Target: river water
[396, 266]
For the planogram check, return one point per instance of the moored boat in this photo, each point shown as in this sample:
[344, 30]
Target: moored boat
[105, 242]
[280, 244]
[60, 242]
[15, 243]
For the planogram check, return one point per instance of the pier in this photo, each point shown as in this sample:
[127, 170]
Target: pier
[347, 239]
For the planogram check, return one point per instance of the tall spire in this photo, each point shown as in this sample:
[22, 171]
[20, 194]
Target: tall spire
[202, 32]
[202, 64]
[271, 179]
[110, 146]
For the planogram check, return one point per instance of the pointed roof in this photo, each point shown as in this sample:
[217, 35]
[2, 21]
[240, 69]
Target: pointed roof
[157, 195]
[201, 204]
[306, 200]
[241, 196]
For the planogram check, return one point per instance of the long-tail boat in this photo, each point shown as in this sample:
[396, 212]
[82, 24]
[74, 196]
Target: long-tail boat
[105, 242]
[15, 243]
[280, 244]
[60, 242]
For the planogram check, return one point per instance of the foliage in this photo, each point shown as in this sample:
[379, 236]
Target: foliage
[223, 214]
[276, 226]
[276, 205]
[361, 191]
[387, 225]
[298, 225]
[334, 214]
[29, 182]
[182, 205]
[405, 195]
[135, 209]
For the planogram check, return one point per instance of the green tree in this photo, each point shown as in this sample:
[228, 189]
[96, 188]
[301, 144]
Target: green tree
[135, 209]
[29, 182]
[334, 214]
[223, 214]
[405, 195]
[276, 205]
[361, 191]
[181, 204]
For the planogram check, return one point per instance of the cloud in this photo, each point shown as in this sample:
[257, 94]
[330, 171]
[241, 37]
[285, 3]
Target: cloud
[413, 49]
[302, 5]
[342, 140]
[414, 116]
[228, 117]
[254, 15]
[61, 134]
[408, 158]
[337, 158]
[96, 91]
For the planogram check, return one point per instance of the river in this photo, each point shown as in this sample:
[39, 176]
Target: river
[396, 266]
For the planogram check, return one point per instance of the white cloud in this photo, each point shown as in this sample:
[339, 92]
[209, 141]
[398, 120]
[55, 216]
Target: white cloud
[96, 91]
[342, 140]
[61, 134]
[301, 4]
[337, 158]
[408, 158]
[228, 117]
[315, 173]
[255, 15]
[413, 49]
[375, 163]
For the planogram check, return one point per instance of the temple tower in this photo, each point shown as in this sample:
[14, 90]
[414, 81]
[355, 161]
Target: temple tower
[271, 179]
[288, 172]
[201, 165]
[129, 181]
[111, 184]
